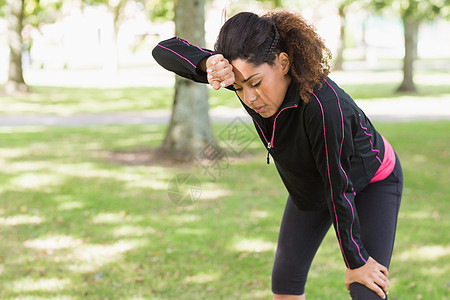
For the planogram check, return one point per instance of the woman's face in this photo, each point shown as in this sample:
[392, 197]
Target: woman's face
[262, 88]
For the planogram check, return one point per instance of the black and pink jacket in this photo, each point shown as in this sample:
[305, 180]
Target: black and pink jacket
[325, 150]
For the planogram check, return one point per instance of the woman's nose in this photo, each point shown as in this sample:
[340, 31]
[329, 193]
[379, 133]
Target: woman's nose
[249, 97]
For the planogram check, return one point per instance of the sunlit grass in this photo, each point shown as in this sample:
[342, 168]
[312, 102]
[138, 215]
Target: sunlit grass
[69, 100]
[75, 222]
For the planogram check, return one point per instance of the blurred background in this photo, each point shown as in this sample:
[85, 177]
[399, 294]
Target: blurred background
[57, 37]
[117, 182]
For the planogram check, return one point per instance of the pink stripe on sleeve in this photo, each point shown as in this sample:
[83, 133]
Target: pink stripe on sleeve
[178, 55]
[329, 181]
[345, 174]
[188, 44]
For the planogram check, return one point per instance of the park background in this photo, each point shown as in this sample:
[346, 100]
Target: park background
[91, 207]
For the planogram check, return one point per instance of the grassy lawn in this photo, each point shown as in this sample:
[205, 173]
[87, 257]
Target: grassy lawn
[360, 85]
[85, 213]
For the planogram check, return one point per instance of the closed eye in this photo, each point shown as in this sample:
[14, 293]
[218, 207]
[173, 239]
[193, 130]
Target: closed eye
[256, 84]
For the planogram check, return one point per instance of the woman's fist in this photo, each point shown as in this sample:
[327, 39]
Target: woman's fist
[219, 71]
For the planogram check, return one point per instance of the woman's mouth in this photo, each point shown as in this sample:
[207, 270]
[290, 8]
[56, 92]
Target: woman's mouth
[260, 109]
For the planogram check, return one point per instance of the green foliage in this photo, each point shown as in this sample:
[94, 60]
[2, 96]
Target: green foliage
[415, 9]
[275, 3]
[94, 2]
[2, 7]
[37, 12]
[159, 10]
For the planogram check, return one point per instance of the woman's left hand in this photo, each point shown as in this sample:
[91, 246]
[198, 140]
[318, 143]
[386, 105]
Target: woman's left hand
[373, 275]
[220, 71]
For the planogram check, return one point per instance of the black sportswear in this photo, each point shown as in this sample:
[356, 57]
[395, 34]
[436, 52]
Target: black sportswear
[325, 150]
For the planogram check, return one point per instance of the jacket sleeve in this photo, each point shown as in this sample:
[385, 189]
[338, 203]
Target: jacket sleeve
[182, 58]
[329, 129]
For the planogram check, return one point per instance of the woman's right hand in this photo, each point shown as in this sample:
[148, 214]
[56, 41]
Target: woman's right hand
[373, 275]
[220, 71]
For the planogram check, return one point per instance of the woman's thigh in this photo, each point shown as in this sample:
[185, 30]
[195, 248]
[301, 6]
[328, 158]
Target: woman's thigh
[301, 233]
[377, 207]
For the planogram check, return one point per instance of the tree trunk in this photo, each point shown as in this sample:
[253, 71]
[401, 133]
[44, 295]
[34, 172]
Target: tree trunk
[15, 83]
[111, 62]
[364, 39]
[341, 43]
[411, 34]
[189, 130]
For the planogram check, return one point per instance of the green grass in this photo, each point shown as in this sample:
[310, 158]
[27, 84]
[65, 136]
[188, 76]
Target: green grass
[361, 85]
[70, 100]
[382, 84]
[80, 218]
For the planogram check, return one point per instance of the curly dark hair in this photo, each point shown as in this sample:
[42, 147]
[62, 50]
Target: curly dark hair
[259, 39]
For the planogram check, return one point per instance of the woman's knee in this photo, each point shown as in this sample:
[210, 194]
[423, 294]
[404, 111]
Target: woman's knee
[361, 292]
[288, 297]
[287, 278]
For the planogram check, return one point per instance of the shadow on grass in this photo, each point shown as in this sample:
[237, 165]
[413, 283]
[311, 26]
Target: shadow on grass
[76, 225]
[99, 238]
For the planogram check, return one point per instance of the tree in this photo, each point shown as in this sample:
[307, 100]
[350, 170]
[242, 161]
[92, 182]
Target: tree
[35, 12]
[116, 8]
[18, 13]
[189, 130]
[412, 13]
[342, 6]
[14, 14]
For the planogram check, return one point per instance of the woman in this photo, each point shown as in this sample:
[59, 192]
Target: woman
[336, 167]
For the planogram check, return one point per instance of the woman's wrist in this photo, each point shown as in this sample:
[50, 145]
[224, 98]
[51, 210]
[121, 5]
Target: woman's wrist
[202, 64]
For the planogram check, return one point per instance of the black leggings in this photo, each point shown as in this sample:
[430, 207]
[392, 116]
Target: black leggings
[302, 232]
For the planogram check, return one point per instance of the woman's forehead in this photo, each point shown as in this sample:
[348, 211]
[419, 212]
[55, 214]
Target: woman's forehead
[244, 70]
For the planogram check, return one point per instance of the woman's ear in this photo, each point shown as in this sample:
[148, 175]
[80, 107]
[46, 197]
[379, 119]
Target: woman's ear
[283, 60]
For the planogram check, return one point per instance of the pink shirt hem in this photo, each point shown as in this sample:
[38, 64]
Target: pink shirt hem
[388, 164]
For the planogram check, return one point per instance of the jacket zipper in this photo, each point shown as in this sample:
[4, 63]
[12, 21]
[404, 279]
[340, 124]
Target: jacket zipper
[268, 151]
[270, 144]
